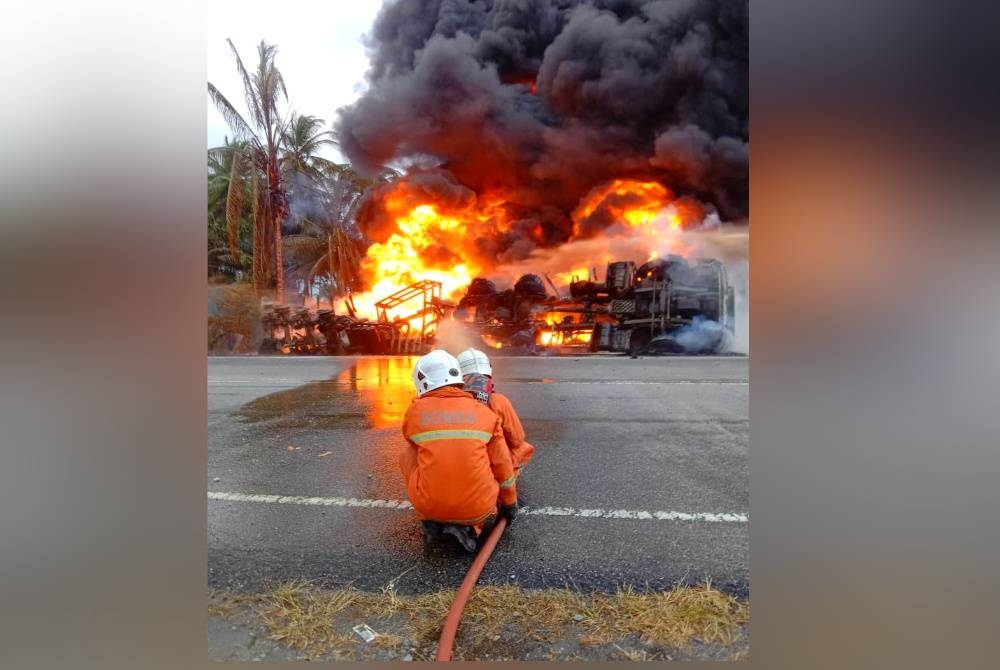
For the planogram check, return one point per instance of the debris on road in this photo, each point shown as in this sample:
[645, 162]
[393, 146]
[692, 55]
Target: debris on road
[365, 632]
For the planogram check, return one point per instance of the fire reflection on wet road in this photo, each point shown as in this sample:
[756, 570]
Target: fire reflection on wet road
[386, 384]
[611, 434]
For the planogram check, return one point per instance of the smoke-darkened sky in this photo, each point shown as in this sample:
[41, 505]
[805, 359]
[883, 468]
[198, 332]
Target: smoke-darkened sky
[545, 99]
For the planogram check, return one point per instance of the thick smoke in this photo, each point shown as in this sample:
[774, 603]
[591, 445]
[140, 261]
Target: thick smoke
[544, 100]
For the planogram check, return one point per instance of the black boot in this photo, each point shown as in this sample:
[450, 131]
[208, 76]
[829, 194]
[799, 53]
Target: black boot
[464, 534]
[431, 531]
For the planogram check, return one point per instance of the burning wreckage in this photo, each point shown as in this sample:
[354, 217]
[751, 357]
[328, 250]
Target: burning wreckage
[512, 124]
[666, 305]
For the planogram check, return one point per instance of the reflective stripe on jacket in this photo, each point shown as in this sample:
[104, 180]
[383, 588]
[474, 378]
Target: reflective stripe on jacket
[456, 462]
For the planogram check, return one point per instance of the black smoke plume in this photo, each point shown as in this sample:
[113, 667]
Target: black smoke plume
[543, 100]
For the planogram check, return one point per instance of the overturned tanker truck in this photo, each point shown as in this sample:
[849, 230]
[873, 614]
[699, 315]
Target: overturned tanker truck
[666, 305]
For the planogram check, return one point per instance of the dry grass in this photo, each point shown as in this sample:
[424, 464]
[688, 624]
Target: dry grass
[225, 605]
[672, 618]
[388, 641]
[305, 618]
[319, 621]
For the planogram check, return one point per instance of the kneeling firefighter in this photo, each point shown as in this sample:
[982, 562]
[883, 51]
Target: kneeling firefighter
[456, 463]
[478, 376]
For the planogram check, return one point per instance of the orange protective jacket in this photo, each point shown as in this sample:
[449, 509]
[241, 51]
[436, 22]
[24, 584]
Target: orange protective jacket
[456, 462]
[513, 432]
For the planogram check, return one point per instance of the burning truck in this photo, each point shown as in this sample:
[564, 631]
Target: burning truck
[666, 305]
[522, 158]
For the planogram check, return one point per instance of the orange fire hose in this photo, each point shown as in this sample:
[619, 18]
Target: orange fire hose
[447, 639]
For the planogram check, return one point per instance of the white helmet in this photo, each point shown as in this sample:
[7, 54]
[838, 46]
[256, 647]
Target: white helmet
[434, 370]
[473, 361]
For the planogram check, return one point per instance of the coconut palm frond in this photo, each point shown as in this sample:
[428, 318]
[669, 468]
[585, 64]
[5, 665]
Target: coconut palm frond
[220, 156]
[216, 162]
[280, 85]
[232, 117]
[234, 204]
[249, 91]
[269, 88]
[325, 166]
[303, 134]
[302, 139]
[303, 246]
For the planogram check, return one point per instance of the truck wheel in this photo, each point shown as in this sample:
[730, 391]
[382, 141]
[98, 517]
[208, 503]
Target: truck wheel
[637, 341]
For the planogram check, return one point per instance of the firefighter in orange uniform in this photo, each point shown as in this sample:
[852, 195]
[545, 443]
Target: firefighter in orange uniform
[456, 463]
[478, 376]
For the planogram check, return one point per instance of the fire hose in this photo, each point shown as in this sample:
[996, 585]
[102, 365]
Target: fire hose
[447, 639]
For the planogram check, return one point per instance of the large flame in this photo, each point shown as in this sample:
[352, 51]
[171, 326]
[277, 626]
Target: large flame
[636, 204]
[428, 241]
[402, 259]
[436, 239]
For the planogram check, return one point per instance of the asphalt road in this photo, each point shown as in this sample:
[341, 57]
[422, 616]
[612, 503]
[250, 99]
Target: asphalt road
[640, 475]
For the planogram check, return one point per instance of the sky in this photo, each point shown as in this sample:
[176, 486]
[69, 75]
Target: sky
[320, 53]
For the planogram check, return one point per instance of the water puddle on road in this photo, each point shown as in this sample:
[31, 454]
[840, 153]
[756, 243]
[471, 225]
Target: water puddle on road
[374, 393]
[341, 435]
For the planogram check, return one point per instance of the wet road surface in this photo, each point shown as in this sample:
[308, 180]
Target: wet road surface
[640, 474]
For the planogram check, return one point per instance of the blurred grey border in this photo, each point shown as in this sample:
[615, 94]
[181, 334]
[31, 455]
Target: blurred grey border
[874, 453]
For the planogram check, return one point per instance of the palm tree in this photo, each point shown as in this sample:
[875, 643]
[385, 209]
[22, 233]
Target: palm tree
[302, 141]
[324, 197]
[256, 168]
[328, 243]
[230, 250]
[302, 170]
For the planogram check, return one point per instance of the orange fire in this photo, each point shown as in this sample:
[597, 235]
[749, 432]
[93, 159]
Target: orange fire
[635, 203]
[572, 331]
[555, 338]
[429, 242]
[646, 205]
[401, 260]
[429, 239]
[579, 274]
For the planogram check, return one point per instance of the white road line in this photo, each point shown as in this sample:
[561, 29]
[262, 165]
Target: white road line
[714, 517]
[630, 382]
[276, 383]
[303, 500]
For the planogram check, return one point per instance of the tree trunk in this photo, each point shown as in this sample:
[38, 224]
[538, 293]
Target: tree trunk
[329, 266]
[260, 234]
[276, 201]
[259, 258]
[279, 265]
